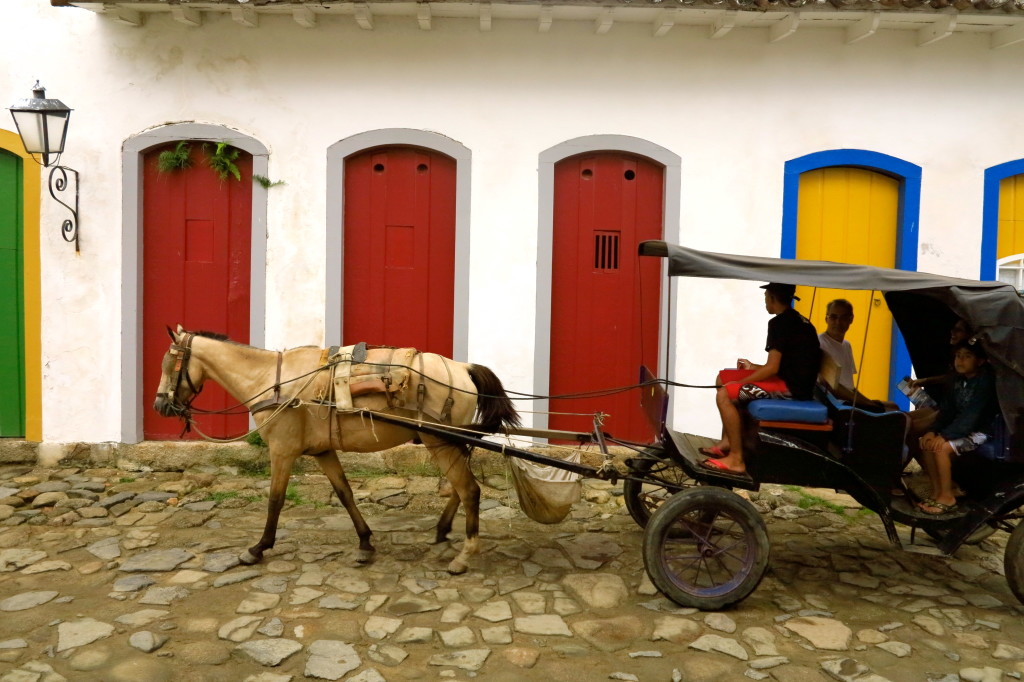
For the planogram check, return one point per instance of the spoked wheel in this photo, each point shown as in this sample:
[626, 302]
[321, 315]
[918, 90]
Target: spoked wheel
[706, 548]
[663, 479]
[1013, 561]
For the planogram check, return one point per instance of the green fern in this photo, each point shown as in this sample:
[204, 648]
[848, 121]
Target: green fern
[265, 182]
[222, 161]
[176, 159]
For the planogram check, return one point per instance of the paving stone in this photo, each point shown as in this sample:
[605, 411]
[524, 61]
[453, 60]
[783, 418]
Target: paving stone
[823, 633]
[412, 604]
[597, 590]
[469, 659]
[379, 627]
[720, 622]
[218, 562]
[18, 558]
[163, 596]
[239, 629]
[146, 641]
[331, 659]
[27, 600]
[494, 612]
[156, 560]
[78, 633]
[414, 635]
[270, 652]
[542, 625]
[725, 645]
[236, 577]
[141, 618]
[258, 601]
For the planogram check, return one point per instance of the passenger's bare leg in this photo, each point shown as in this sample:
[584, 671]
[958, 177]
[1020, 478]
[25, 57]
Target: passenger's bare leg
[732, 429]
[941, 460]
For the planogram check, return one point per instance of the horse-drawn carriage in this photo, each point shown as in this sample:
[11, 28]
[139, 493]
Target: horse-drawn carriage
[704, 545]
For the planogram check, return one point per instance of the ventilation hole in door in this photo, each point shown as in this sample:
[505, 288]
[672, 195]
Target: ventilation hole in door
[629, 175]
[606, 250]
[422, 168]
[587, 173]
[378, 167]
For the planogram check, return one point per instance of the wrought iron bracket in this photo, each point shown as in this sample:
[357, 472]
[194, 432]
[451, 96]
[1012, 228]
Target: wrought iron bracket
[59, 184]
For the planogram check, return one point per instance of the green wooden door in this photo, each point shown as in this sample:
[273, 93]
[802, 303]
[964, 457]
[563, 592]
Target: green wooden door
[12, 349]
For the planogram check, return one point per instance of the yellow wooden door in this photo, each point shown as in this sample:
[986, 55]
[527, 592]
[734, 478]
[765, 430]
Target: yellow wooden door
[1011, 231]
[849, 215]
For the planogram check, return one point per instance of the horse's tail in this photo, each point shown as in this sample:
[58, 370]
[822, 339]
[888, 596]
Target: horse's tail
[493, 407]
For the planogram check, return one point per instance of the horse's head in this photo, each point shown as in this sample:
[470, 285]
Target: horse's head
[179, 383]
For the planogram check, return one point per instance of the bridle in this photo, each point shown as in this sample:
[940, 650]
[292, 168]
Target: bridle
[182, 353]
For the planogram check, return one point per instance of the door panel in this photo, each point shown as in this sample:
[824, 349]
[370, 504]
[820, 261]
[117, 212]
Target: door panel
[399, 270]
[12, 349]
[1011, 217]
[605, 299]
[850, 215]
[197, 231]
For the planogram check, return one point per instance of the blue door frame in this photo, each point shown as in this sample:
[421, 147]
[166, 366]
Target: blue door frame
[909, 176]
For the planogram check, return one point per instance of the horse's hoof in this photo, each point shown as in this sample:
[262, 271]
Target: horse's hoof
[248, 558]
[364, 556]
[456, 567]
[439, 538]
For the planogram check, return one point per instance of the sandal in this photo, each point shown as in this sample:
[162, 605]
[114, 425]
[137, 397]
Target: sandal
[943, 508]
[713, 452]
[720, 468]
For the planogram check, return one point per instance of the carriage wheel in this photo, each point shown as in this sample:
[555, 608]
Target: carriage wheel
[1013, 561]
[706, 548]
[663, 479]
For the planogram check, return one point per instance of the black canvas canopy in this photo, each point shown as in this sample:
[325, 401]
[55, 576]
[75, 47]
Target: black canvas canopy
[924, 307]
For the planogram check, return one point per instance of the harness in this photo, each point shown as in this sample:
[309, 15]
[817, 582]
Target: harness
[182, 353]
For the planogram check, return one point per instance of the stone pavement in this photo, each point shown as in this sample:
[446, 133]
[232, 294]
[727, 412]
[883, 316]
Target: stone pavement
[124, 576]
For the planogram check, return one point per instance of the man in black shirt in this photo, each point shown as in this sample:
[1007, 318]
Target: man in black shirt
[794, 357]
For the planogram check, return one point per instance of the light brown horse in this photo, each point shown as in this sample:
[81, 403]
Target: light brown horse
[287, 392]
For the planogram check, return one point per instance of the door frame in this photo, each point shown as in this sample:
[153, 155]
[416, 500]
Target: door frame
[132, 151]
[31, 187]
[672, 164]
[907, 221]
[990, 214]
[335, 232]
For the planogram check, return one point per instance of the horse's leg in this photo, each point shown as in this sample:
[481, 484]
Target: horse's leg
[444, 524]
[454, 462]
[329, 464]
[280, 471]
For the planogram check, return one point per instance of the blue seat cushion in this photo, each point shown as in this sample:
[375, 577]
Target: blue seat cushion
[774, 410]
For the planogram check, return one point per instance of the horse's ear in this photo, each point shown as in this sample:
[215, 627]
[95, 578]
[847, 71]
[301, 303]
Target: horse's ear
[181, 330]
[170, 333]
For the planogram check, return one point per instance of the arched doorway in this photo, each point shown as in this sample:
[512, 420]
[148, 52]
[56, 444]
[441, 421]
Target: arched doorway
[849, 215]
[605, 301]
[196, 257]
[136, 402]
[856, 206]
[399, 248]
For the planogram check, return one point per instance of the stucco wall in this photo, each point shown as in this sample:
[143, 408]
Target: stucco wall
[734, 110]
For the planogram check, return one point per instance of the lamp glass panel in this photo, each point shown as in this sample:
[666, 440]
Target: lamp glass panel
[42, 133]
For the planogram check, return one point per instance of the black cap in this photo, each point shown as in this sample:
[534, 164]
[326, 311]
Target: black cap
[783, 292]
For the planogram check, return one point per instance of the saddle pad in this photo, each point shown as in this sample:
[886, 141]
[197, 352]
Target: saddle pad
[803, 411]
[385, 370]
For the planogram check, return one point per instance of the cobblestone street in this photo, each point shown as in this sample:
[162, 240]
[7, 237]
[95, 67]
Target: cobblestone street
[124, 576]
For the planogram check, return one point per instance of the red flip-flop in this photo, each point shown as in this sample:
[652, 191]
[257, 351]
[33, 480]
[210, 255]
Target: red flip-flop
[714, 452]
[719, 467]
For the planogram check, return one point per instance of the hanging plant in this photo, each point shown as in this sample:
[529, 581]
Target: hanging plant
[222, 161]
[265, 182]
[175, 159]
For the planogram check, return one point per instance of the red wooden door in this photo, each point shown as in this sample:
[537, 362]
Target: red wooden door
[196, 245]
[605, 299]
[399, 281]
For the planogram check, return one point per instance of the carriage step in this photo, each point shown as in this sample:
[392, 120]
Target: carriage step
[795, 426]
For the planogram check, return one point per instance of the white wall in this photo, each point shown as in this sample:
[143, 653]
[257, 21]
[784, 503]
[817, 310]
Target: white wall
[735, 110]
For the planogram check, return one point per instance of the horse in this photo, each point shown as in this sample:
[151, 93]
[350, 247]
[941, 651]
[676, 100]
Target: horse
[290, 396]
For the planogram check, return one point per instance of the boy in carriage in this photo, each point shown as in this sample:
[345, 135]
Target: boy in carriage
[965, 415]
[794, 357]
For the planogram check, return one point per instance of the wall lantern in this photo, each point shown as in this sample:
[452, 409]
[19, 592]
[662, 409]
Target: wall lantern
[43, 124]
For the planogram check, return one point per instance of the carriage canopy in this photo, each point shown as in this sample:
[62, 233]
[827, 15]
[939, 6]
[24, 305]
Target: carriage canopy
[924, 307]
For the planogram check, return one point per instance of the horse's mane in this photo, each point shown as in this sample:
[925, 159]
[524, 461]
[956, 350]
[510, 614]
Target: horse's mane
[216, 336]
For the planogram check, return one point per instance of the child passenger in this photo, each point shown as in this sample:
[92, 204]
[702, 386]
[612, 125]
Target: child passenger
[966, 410]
